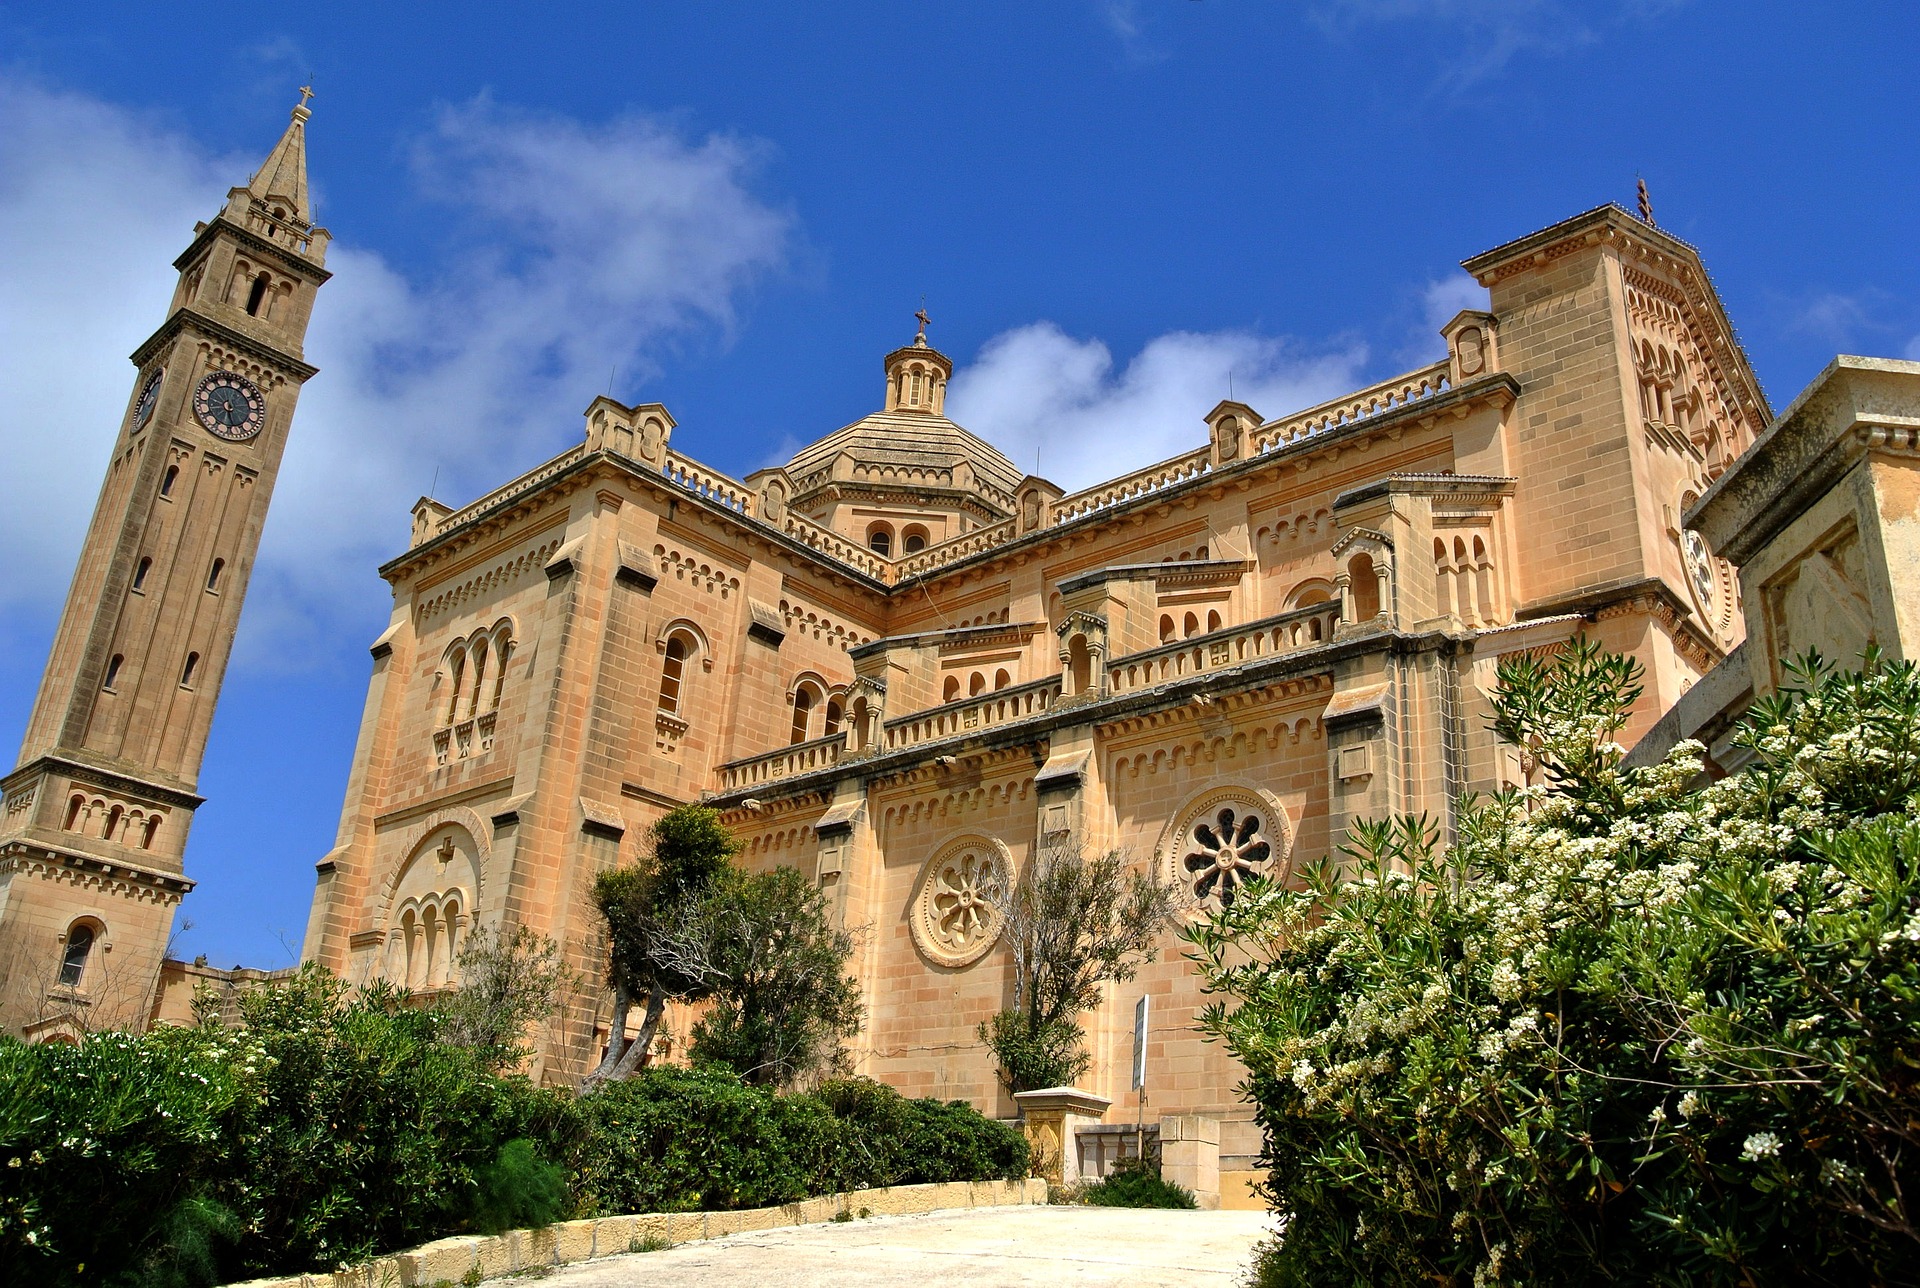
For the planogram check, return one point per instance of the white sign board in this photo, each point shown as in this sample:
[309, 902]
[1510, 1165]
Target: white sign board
[1140, 1043]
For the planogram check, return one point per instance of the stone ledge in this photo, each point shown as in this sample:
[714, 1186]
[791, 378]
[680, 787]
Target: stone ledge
[452, 1259]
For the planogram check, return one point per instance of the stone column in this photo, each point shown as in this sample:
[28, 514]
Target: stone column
[1190, 1155]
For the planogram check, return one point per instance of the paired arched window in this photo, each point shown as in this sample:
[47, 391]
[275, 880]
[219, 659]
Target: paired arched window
[477, 669]
[79, 949]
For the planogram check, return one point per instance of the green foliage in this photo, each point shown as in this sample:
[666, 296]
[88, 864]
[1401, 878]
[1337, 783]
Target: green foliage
[897, 1141]
[1030, 1057]
[1628, 1028]
[518, 1190]
[1073, 925]
[1133, 1184]
[508, 982]
[775, 966]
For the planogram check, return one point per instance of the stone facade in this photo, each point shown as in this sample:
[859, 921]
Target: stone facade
[93, 830]
[901, 665]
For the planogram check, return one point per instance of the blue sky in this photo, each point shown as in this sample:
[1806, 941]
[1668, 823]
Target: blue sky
[1112, 209]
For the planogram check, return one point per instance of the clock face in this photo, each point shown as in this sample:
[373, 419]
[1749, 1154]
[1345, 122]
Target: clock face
[149, 396]
[230, 406]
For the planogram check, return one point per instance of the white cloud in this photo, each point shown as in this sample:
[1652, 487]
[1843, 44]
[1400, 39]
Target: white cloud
[1445, 297]
[1482, 36]
[1038, 387]
[570, 249]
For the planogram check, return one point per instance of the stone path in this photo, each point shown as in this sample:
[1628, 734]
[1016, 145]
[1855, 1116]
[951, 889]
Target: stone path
[1061, 1247]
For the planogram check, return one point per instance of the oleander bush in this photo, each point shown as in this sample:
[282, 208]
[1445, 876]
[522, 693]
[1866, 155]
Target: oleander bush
[1628, 1028]
[336, 1125]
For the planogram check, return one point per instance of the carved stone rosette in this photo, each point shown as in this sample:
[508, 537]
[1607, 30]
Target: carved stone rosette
[957, 904]
[1223, 839]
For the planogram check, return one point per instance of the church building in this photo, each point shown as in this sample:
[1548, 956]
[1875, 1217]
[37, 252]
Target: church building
[903, 666]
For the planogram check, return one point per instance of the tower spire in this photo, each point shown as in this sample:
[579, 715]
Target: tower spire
[283, 176]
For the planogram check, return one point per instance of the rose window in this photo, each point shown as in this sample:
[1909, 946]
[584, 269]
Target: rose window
[1225, 852]
[957, 911]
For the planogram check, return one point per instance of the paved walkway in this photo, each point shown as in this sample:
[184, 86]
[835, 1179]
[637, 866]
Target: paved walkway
[1060, 1247]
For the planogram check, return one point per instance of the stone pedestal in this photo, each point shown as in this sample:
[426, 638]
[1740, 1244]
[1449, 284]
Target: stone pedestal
[1190, 1155]
[1051, 1116]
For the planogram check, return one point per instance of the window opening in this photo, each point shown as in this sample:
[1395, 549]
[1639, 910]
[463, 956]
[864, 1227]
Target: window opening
[880, 540]
[113, 672]
[168, 479]
[186, 672]
[834, 717]
[671, 672]
[256, 295]
[140, 572]
[73, 966]
[802, 713]
[213, 574]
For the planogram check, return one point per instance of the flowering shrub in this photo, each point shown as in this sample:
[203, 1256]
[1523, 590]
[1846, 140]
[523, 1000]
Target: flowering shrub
[1626, 1028]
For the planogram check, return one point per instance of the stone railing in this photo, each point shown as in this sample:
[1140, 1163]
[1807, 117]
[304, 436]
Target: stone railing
[788, 762]
[1154, 478]
[959, 548]
[1301, 628]
[285, 231]
[1002, 706]
[525, 483]
[1386, 396]
[831, 544]
[713, 485]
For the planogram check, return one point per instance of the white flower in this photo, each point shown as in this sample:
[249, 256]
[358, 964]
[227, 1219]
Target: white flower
[1762, 1144]
[1658, 1115]
[1690, 1104]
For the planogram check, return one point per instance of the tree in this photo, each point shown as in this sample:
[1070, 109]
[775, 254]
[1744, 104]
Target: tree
[766, 950]
[1631, 1027]
[508, 980]
[648, 908]
[1073, 925]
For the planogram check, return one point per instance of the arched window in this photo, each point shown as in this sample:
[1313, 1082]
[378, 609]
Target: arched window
[673, 670]
[1166, 627]
[257, 295]
[803, 698]
[1201, 553]
[1079, 665]
[950, 691]
[479, 677]
[186, 672]
[73, 963]
[1364, 586]
[113, 672]
[1213, 620]
[113, 823]
[1001, 679]
[153, 828]
[459, 678]
[502, 649]
[913, 540]
[140, 571]
[214, 573]
[859, 718]
[74, 807]
[834, 718]
[1190, 627]
[976, 684]
[168, 479]
[880, 540]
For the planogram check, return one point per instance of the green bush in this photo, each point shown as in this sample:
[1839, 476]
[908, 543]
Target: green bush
[897, 1141]
[1133, 1184]
[1628, 1029]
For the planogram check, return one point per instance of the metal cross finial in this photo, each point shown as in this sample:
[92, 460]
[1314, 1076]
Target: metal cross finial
[1646, 203]
[306, 92]
[921, 337]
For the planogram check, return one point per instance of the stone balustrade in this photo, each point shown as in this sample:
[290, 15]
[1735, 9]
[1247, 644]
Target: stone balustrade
[711, 484]
[983, 711]
[1154, 478]
[830, 543]
[1388, 395]
[1217, 650]
[519, 487]
[957, 549]
[787, 762]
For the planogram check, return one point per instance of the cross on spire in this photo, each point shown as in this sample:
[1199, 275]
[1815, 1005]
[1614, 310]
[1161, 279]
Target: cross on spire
[306, 92]
[921, 336]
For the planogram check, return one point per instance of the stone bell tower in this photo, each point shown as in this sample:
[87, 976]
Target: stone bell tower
[94, 826]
